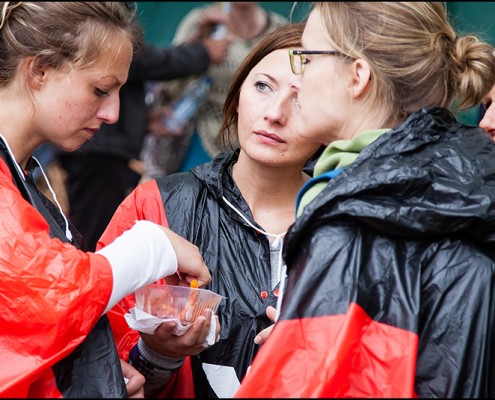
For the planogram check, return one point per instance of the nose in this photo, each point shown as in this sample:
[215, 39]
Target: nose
[280, 108]
[109, 110]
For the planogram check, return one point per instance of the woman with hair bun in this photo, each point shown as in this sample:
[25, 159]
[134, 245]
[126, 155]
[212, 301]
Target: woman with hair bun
[391, 260]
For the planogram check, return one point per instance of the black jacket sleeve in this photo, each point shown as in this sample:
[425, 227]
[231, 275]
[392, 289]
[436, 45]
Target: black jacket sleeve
[155, 63]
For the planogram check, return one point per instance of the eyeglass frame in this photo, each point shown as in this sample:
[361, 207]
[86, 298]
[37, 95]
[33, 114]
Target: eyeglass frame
[302, 53]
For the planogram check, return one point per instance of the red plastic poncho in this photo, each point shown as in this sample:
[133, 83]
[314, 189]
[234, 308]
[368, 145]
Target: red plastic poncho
[51, 296]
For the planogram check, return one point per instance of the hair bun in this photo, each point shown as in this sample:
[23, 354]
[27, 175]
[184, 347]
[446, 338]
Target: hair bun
[471, 60]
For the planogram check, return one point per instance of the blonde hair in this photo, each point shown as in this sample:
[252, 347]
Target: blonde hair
[59, 34]
[415, 56]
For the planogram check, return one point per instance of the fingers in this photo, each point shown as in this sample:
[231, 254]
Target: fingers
[135, 387]
[191, 263]
[166, 343]
[135, 381]
[217, 330]
[217, 49]
[165, 329]
[203, 329]
[263, 335]
[271, 313]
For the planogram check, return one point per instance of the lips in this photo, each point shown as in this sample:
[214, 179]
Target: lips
[92, 131]
[270, 137]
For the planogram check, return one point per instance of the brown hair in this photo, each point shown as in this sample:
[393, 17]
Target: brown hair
[283, 38]
[415, 56]
[62, 33]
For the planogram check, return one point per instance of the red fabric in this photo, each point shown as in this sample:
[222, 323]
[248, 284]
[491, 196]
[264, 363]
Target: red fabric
[310, 358]
[144, 203]
[45, 387]
[181, 385]
[51, 296]
[133, 208]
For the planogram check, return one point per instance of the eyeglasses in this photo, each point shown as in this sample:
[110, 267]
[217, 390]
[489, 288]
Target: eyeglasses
[298, 58]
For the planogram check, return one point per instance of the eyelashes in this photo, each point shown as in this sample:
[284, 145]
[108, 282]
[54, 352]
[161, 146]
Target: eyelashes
[101, 93]
[262, 86]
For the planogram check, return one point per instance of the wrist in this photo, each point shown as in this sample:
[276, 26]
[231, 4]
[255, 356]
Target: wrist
[158, 360]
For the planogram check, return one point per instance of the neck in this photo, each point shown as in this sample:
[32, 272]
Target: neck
[14, 128]
[270, 192]
[362, 120]
[247, 22]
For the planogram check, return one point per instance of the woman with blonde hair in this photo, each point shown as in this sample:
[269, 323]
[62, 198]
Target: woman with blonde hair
[391, 261]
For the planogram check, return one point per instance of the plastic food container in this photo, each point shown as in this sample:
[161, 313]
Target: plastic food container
[181, 302]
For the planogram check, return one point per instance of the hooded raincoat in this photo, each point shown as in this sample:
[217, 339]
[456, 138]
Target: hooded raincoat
[391, 274]
[238, 256]
[54, 341]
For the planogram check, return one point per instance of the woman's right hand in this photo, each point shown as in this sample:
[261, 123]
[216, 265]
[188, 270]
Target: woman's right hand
[156, 125]
[190, 262]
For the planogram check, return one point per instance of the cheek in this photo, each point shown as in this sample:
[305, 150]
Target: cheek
[246, 118]
[306, 149]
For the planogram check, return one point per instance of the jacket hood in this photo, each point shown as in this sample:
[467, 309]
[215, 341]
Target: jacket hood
[429, 177]
[216, 175]
[211, 173]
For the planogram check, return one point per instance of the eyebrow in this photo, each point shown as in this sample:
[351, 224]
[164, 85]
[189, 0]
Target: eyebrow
[116, 82]
[265, 74]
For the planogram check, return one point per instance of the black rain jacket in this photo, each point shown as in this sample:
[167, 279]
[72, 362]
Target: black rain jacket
[237, 255]
[391, 274]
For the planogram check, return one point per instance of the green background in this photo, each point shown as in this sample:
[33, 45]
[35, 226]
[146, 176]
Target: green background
[160, 20]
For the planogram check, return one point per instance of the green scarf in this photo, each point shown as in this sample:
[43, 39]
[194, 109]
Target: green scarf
[338, 154]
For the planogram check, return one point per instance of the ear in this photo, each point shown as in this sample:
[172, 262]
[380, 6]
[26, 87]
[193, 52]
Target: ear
[35, 72]
[360, 77]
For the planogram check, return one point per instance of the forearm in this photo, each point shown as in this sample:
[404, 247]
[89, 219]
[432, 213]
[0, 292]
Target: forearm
[141, 255]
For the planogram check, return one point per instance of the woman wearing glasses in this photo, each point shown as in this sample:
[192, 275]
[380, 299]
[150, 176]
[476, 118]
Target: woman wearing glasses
[391, 260]
[236, 209]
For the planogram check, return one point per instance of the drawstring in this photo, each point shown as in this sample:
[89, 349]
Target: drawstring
[278, 237]
[281, 268]
[11, 154]
[68, 233]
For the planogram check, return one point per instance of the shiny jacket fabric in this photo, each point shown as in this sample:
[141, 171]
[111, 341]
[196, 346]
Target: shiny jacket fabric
[391, 274]
[238, 257]
[53, 340]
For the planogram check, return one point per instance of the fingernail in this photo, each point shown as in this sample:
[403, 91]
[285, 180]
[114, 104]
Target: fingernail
[257, 339]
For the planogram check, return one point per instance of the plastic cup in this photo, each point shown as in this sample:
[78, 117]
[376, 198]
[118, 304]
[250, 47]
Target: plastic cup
[181, 302]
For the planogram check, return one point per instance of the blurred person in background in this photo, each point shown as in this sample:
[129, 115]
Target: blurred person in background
[106, 169]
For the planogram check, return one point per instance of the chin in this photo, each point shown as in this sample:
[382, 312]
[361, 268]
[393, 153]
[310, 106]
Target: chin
[72, 146]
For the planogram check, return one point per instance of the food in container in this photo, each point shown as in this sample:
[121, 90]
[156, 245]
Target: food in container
[181, 302]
